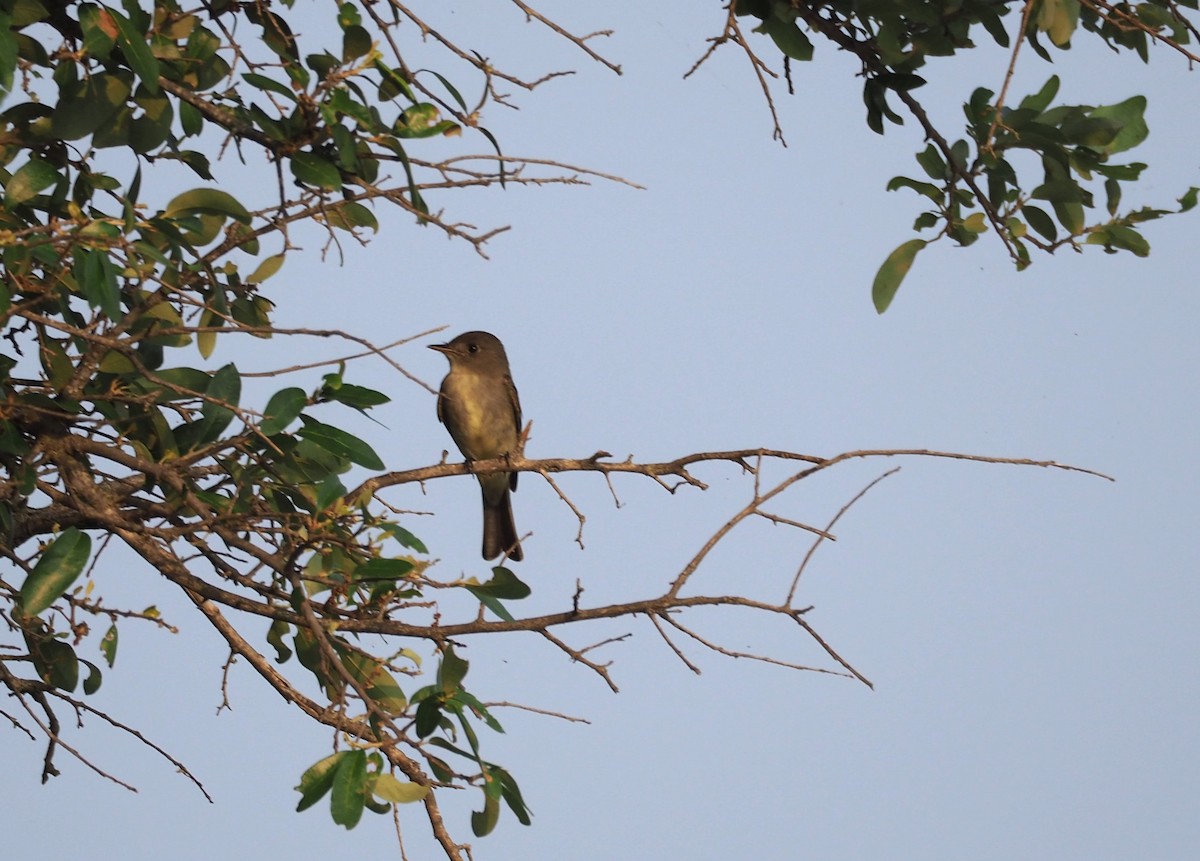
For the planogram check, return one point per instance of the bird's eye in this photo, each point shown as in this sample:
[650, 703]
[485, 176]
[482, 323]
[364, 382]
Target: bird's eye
[474, 348]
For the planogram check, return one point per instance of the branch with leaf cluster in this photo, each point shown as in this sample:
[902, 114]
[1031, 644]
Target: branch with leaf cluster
[983, 181]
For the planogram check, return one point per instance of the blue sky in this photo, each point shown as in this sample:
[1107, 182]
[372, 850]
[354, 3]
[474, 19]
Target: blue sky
[1031, 634]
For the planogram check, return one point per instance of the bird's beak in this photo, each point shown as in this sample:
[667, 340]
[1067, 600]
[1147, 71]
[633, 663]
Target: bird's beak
[445, 349]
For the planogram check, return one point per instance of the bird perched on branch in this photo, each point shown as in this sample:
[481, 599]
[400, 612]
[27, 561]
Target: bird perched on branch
[479, 406]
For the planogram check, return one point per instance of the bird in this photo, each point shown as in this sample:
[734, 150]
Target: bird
[479, 406]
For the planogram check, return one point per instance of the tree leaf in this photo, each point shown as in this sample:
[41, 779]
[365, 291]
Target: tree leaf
[932, 163]
[504, 584]
[788, 38]
[381, 569]
[79, 112]
[32, 177]
[318, 779]
[137, 51]
[262, 82]
[275, 634]
[1041, 100]
[451, 671]
[108, 645]
[225, 390]
[1188, 201]
[8, 52]
[928, 189]
[358, 397]
[338, 442]
[210, 201]
[1040, 221]
[55, 661]
[406, 538]
[349, 789]
[892, 272]
[281, 410]
[349, 215]
[390, 789]
[94, 677]
[356, 42]
[312, 169]
[266, 269]
[1131, 116]
[484, 821]
[58, 567]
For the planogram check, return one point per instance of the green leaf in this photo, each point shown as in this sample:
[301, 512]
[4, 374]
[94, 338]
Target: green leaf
[94, 677]
[1041, 100]
[483, 821]
[406, 538]
[57, 568]
[1061, 191]
[276, 33]
[976, 222]
[380, 685]
[281, 410]
[33, 176]
[393, 83]
[8, 52]
[381, 569]
[1131, 116]
[429, 715]
[356, 42]
[312, 169]
[349, 215]
[926, 188]
[788, 38]
[191, 120]
[1070, 216]
[512, 794]
[262, 82]
[224, 392]
[211, 201]
[137, 51]
[329, 490]
[266, 269]
[390, 789]
[97, 277]
[358, 397]
[206, 342]
[336, 441]
[1058, 18]
[932, 163]
[82, 110]
[55, 661]
[1114, 236]
[926, 220]
[892, 272]
[275, 634]
[318, 780]
[451, 671]
[1040, 221]
[108, 645]
[1189, 199]
[499, 155]
[504, 584]
[349, 789]
[1112, 192]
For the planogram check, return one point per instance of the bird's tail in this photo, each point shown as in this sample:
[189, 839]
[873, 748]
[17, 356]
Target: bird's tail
[499, 530]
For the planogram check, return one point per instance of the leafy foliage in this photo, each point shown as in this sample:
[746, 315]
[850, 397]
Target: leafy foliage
[110, 427]
[1055, 154]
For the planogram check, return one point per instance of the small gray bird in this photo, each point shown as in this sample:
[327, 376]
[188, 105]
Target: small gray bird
[478, 404]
